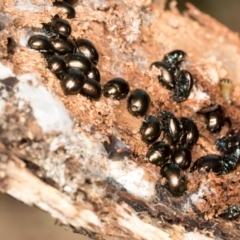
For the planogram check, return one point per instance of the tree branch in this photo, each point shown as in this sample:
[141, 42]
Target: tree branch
[58, 162]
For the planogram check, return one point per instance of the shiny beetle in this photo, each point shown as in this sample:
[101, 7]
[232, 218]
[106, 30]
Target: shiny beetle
[63, 46]
[94, 74]
[87, 48]
[66, 8]
[190, 134]
[183, 86]
[170, 126]
[215, 117]
[40, 43]
[231, 160]
[230, 213]
[57, 27]
[61, 26]
[72, 82]
[174, 60]
[164, 74]
[209, 163]
[226, 144]
[91, 89]
[226, 88]
[176, 181]
[174, 57]
[182, 157]
[159, 153]
[117, 88]
[80, 62]
[138, 102]
[56, 65]
[150, 129]
[71, 2]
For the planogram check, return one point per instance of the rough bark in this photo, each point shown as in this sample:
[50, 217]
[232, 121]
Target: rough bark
[59, 164]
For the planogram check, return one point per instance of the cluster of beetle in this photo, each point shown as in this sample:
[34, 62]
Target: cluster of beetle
[74, 63]
[173, 77]
[228, 145]
[175, 156]
[182, 134]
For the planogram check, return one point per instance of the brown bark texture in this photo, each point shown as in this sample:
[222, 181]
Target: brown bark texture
[52, 153]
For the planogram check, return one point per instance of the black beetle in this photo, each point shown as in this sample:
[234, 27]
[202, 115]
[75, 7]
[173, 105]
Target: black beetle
[138, 102]
[159, 153]
[225, 144]
[182, 157]
[117, 88]
[209, 163]
[215, 117]
[170, 126]
[80, 62]
[73, 81]
[174, 57]
[94, 74]
[183, 86]
[57, 27]
[174, 60]
[63, 45]
[61, 26]
[56, 65]
[190, 134]
[230, 213]
[66, 8]
[40, 43]
[165, 74]
[231, 160]
[176, 181]
[71, 2]
[87, 48]
[91, 89]
[150, 129]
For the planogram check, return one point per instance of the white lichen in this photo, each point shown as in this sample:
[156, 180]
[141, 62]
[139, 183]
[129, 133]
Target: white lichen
[195, 236]
[52, 116]
[197, 94]
[5, 72]
[25, 34]
[32, 5]
[50, 113]
[132, 23]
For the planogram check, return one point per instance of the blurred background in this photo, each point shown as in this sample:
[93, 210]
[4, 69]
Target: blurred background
[21, 222]
[226, 12]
